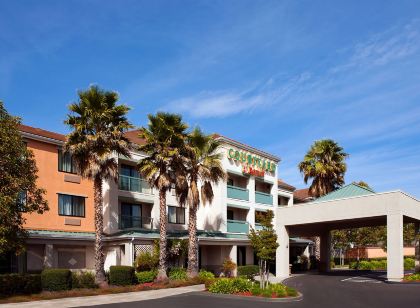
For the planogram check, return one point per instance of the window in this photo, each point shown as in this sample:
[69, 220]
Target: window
[65, 162]
[130, 215]
[229, 214]
[71, 205]
[21, 200]
[176, 215]
[230, 182]
[128, 170]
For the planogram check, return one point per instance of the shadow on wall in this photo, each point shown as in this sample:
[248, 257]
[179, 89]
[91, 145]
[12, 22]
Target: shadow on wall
[213, 224]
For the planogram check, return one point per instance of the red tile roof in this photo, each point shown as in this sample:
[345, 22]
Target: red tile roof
[42, 132]
[133, 136]
[285, 186]
[302, 194]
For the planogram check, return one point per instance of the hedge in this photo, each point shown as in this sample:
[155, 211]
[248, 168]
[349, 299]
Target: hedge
[146, 276]
[12, 284]
[248, 271]
[121, 275]
[56, 279]
[83, 280]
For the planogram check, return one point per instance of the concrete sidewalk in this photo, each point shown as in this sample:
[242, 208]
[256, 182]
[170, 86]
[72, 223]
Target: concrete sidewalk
[107, 299]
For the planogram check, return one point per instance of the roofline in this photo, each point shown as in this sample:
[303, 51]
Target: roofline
[41, 138]
[248, 148]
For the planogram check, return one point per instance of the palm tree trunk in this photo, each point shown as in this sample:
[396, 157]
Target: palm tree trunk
[162, 241]
[192, 243]
[99, 228]
[317, 241]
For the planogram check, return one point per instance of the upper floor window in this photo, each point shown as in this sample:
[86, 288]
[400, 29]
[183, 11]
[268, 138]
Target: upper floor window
[176, 215]
[65, 162]
[128, 170]
[71, 205]
[21, 200]
[230, 182]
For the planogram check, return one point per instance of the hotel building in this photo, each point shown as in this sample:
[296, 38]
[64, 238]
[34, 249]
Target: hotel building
[63, 237]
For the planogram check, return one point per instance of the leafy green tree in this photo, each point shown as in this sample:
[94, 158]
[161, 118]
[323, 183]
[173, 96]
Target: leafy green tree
[165, 137]
[19, 193]
[97, 139]
[202, 169]
[324, 163]
[363, 184]
[264, 243]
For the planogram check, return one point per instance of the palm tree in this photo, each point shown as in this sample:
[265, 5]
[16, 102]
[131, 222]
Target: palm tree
[98, 125]
[164, 136]
[324, 164]
[203, 167]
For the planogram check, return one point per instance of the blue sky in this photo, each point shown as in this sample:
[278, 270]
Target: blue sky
[273, 74]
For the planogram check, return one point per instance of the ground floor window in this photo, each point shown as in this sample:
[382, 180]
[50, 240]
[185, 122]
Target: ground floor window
[72, 259]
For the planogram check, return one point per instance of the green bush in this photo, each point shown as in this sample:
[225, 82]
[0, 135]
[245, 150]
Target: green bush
[203, 274]
[121, 275]
[230, 285]
[178, 273]
[409, 263]
[412, 277]
[56, 279]
[255, 290]
[248, 271]
[291, 292]
[146, 276]
[11, 284]
[228, 267]
[146, 261]
[83, 280]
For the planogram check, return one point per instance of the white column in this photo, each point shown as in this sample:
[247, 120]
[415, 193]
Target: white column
[282, 253]
[251, 189]
[324, 263]
[395, 247]
[233, 255]
[49, 256]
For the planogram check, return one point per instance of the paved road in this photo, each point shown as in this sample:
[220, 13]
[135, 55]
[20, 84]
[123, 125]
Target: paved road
[336, 290]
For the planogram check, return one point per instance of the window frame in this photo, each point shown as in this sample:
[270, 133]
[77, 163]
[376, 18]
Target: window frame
[72, 204]
[177, 208]
[61, 155]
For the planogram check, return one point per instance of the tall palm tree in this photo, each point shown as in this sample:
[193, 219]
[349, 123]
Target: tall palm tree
[165, 137]
[203, 167]
[324, 164]
[98, 125]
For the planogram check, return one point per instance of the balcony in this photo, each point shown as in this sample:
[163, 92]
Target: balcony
[134, 184]
[258, 226]
[263, 198]
[235, 192]
[237, 226]
[135, 222]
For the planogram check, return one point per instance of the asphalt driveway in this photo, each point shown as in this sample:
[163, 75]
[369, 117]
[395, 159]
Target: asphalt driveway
[340, 289]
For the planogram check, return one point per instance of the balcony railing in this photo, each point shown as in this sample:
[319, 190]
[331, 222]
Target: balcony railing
[135, 222]
[263, 198]
[258, 226]
[235, 192]
[237, 226]
[130, 183]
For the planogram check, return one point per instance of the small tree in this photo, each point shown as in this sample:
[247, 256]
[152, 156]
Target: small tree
[18, 190]
[264, 243]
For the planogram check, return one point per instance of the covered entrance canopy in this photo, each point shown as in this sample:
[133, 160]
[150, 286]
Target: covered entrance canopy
[319, 217]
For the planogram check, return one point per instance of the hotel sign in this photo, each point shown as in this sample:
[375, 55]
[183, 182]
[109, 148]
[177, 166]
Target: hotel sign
[252, 164]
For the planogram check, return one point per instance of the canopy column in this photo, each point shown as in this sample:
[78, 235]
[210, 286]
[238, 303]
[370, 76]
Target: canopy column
[395, 247]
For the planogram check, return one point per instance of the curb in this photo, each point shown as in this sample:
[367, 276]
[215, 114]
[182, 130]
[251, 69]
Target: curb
[252, 298]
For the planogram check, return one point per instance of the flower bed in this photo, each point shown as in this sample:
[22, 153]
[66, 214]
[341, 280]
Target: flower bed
[412, 278]
[244, 287]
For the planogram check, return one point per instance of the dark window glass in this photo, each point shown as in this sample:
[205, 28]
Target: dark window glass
[21, 201]
[230, 182]
[71, 205]
[230, 214]
[65, 162]
[176, 215]
[128, 170]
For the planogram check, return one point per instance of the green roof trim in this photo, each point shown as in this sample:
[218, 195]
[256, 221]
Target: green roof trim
[53, 233]
[348, 191]
[175, 234]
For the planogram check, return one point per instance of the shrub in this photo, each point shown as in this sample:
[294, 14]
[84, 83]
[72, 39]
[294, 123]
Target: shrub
[255, 290]
[365, 265]
[178, 273]
[228, 267]
[409, 263]
[146, 261]
[412, 277]
[230, 285]
[121, 275]
[291, 292]
[248, 271]
[146, 276]
[11, 284]
[83, 280]
[203, 274]
[56, 279]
